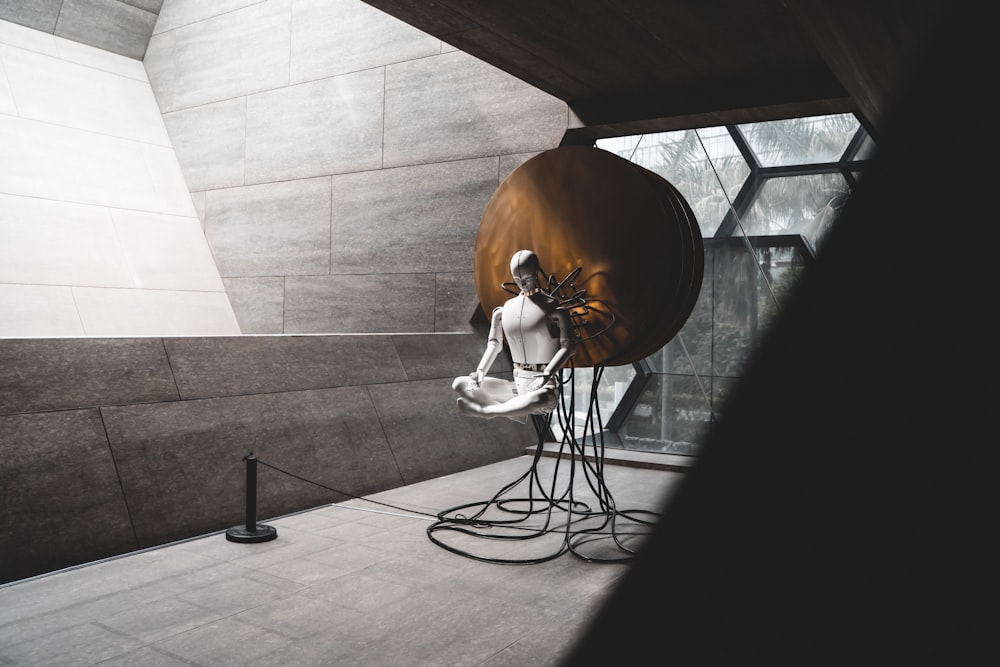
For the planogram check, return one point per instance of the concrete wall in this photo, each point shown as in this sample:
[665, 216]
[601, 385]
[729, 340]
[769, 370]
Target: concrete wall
[117, 444]
[339, 162]
[341, 159]
[98, 233]
[338, 159]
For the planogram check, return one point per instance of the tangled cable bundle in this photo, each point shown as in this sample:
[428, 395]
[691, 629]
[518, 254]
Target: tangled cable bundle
[541, 516]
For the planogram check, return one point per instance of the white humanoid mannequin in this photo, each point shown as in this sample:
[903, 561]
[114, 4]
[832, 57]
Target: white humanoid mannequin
[541, 340]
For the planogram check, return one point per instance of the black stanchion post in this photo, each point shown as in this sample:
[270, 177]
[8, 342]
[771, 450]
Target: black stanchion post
[251, 532]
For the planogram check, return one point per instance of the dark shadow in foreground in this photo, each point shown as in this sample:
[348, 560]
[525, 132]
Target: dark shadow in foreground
[829, 520]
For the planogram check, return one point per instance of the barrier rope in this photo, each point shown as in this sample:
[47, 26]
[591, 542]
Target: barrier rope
[547, 509]
[345, 493]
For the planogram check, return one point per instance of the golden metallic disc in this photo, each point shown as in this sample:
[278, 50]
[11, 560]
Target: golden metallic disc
[629, 232]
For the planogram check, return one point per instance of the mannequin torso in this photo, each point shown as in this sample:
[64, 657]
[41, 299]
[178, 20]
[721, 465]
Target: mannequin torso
[528, 327]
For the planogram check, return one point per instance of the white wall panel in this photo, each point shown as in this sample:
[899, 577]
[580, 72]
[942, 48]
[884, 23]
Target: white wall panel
[62, 163]
[47, 242]
[91, 56]
[60, 92]
[26, 38]
[99, 235]
[166, 252]
[30, 311]
[7, 105]
[133, 312]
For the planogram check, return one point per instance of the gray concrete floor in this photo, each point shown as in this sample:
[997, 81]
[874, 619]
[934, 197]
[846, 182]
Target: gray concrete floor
[356, 583]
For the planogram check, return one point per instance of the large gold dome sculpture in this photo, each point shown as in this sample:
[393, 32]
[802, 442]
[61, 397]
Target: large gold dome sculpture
[630, 233]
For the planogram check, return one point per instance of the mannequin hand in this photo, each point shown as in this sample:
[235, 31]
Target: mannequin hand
[477, 378]
[538, 383]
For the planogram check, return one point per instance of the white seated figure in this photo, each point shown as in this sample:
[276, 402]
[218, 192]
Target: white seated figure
[541, 341]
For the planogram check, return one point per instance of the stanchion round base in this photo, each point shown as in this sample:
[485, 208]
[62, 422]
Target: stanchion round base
[260, 534]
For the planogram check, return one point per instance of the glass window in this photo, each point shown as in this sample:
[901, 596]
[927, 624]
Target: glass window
[867, 149]
[611, 387]
[762, 216]
[672, 415]
[746, 290]
[805, 205]
[812, 140]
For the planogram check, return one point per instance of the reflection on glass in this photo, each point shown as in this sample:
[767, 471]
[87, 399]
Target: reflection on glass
[690, 351]
[805, 205]
[672, 415]
[747, 295]
[771, 210]
[611, 387]
[867, 148]
[810, 140]
[746, 282]
[704, 165]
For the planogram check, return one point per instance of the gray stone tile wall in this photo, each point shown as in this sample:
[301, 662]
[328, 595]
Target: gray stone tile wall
[412, 135]
[178, 13]
[339, 162]
[112, 25]
[119, 26]
[420, 219]
[365, 38]
[270, 229]
[149, 5]
[509, 163]
[381, 303]
[210, 142]
[454, 106]
[258, 302]
[456, 301]
[222, 57]
[316, 128]
[182, 463]
[59, 494]
[429, 435]
[271, 93]
[426, 356]
[57, 374]
[205, 367]
[39, 14]
[111, 445]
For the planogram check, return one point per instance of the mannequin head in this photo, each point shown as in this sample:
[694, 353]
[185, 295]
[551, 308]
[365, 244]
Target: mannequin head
[524, 270]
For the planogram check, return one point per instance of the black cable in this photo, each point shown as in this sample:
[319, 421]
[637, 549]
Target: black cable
[471, 521]
[517, 510]
[541, 501]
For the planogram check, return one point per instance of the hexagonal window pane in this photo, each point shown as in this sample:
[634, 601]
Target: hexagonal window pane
[746, 293]
[811, 140]
[867, 149]
[672, 416]
[805, 205]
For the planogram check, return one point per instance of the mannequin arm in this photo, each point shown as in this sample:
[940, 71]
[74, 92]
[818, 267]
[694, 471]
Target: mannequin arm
[493, 346]
[567, 345]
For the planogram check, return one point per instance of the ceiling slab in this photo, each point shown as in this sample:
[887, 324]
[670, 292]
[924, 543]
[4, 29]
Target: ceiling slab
[674, 64]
